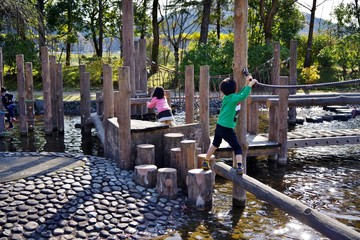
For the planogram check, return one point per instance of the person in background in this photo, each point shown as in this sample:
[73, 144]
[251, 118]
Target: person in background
[160, 103]
[8, 101]
[228, 118]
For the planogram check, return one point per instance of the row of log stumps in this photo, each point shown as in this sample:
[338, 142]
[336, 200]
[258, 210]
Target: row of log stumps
[182, 169]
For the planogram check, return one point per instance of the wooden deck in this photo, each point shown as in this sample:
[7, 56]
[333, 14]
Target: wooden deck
[259, 145]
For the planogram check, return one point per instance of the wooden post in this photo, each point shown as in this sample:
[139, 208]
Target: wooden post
[189, 94]
[176, 161]
[166, 184]
[253, 116]
[99, 104]
[125, 121]
[204, 107]
[273, 123]
[60, 98]
[168, 97]
[108, 101]
[54, 100]
[1, 69]
[21, 93]
[200, 189]
[171, 140]
[240, 62]
[293, 77]
[283, 114]
[145, 175]
[145, 154]
[128, 43]
[201, 158]
[45, 73]
[85, 105]
[142, 69]
[275, 71]
[116, 104]
[29, 88]
[188, 155]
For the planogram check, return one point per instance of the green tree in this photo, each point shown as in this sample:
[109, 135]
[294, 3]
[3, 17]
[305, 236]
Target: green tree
[65, 18]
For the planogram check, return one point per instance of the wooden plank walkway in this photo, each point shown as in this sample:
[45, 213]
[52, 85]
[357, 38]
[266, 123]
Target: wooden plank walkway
[259, 145]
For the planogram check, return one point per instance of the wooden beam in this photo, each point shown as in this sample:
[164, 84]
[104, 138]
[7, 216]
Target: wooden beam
[316, 101]
[327, 226]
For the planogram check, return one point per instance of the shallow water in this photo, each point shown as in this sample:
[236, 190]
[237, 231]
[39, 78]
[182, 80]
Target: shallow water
[324, 178]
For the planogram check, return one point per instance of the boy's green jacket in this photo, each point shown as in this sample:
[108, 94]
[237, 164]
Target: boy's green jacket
[228, 108]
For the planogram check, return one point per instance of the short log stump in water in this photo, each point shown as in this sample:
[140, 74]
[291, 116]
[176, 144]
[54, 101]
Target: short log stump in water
[200, 189]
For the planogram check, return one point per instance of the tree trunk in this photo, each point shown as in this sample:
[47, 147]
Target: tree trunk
[268, 18]
[307, 61]
[41, 25]
[101, 30]
[205, 21]
[155, 46]
[218, 18]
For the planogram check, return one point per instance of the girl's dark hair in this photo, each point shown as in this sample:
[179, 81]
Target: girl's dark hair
[159, 93]
[3, 89]
[228, 86]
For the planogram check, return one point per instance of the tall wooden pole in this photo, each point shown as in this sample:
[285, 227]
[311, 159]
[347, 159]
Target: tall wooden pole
[60, 97]
[240, 62]
[108, 100]
[124, 121]
[29, 89]
[128, 43]
[189, 94]
[21, 93]
[275, 70]
[293, 76]
[54, 99]
[204, 106]
[46, 89]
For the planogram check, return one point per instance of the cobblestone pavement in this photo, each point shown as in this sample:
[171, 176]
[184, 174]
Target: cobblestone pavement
[86, 198]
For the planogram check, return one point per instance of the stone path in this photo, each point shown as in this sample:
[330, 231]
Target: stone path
[60, 196]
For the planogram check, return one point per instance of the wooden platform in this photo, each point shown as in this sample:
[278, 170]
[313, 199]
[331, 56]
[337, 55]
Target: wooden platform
[259, 145]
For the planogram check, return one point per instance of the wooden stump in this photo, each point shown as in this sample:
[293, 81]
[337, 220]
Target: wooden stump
[200, 159]
[171, 140]
[200, 188]
[145, 175]
[166, 184]
[176, 159]
[145, 154]
[188, 155]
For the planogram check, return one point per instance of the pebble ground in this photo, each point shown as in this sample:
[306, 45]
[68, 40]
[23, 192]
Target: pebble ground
[96, 200]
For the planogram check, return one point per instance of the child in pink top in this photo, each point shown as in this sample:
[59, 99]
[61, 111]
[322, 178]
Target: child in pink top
[160, 103]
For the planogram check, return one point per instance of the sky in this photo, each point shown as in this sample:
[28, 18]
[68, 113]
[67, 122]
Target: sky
[325, 7]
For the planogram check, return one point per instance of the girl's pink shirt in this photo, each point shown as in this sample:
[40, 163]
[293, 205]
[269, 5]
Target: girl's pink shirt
[160, 104]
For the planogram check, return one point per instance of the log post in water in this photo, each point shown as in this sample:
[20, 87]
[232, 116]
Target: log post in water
[320, 222]
[145, 154]
[200, 188]
[189, 94]
[29, 88]
[166, 184]
[21, 94]
[171, 140]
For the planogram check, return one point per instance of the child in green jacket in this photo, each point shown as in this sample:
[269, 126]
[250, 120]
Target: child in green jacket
[228, 118]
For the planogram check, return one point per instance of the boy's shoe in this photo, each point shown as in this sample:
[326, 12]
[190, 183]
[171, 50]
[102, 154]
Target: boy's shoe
[239, 170]
[13, 120]
[205, 165]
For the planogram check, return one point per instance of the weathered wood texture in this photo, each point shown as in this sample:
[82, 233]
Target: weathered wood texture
[188, 155]
[166, 185]
[240, 62]
[282, 120]
[200, 189]
[45, 74]
[189, 94]
[60, 98]
[145, 154]
[171, 140]
[21, 94]
[85, 107]
[275, 70]
[29, 96]
[99, 104]
[125, 120]
[176, 161]
[54, 99]
[327, 226]
[293, 75]
[108, 100]
[212, 160]
[145, 175]
[204, 107]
